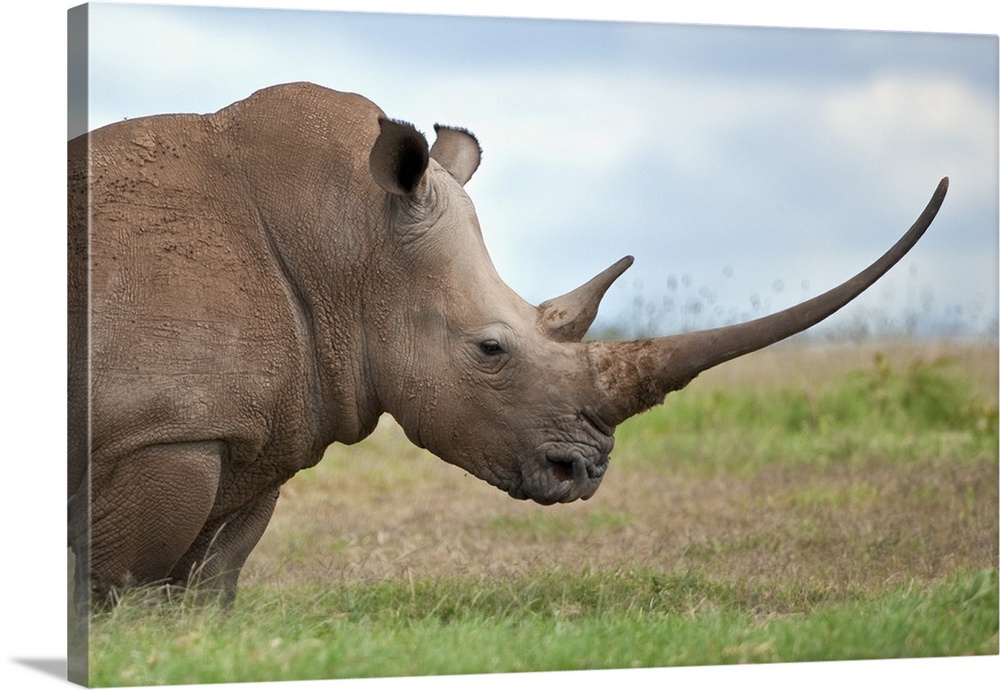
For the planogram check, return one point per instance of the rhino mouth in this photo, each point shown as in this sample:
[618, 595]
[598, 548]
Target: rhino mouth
[565, 470]
[561, 476]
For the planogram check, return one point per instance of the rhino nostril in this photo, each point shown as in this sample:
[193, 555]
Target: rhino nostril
[568, 468]
[562, 469]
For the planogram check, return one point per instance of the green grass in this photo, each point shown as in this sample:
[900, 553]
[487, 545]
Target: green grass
[560, 621]
[854, 518]
[916, 413]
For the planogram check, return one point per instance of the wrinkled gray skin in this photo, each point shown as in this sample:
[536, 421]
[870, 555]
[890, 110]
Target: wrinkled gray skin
[271, 278]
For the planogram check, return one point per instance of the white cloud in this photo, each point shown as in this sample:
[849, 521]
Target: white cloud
[927, 125]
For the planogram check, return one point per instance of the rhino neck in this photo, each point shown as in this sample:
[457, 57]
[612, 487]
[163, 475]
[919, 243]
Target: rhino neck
[314, 207]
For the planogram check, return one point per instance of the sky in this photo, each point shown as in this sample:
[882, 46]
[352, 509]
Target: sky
[746, 168]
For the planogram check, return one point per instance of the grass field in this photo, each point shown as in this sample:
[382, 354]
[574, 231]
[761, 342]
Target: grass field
[809, 502]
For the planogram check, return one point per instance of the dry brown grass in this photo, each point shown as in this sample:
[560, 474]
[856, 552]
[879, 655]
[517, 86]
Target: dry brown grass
[385, 509]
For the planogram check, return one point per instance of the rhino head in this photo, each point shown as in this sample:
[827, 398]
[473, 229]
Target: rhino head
[507, 390]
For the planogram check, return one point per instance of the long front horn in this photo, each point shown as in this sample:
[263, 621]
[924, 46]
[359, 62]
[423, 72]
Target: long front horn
[635, 375]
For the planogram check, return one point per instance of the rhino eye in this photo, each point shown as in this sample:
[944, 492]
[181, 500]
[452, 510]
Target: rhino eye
[491, 348]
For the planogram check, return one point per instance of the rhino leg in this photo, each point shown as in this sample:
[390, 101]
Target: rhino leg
[217, 555]
[149, 511]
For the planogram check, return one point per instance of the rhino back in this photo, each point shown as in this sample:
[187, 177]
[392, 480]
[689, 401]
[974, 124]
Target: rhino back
[221, 250]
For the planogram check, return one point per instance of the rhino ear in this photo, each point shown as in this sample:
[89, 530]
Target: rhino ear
[398, 158]
[458, 152]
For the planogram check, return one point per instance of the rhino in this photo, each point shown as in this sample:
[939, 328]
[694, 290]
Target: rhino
[250, 286]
